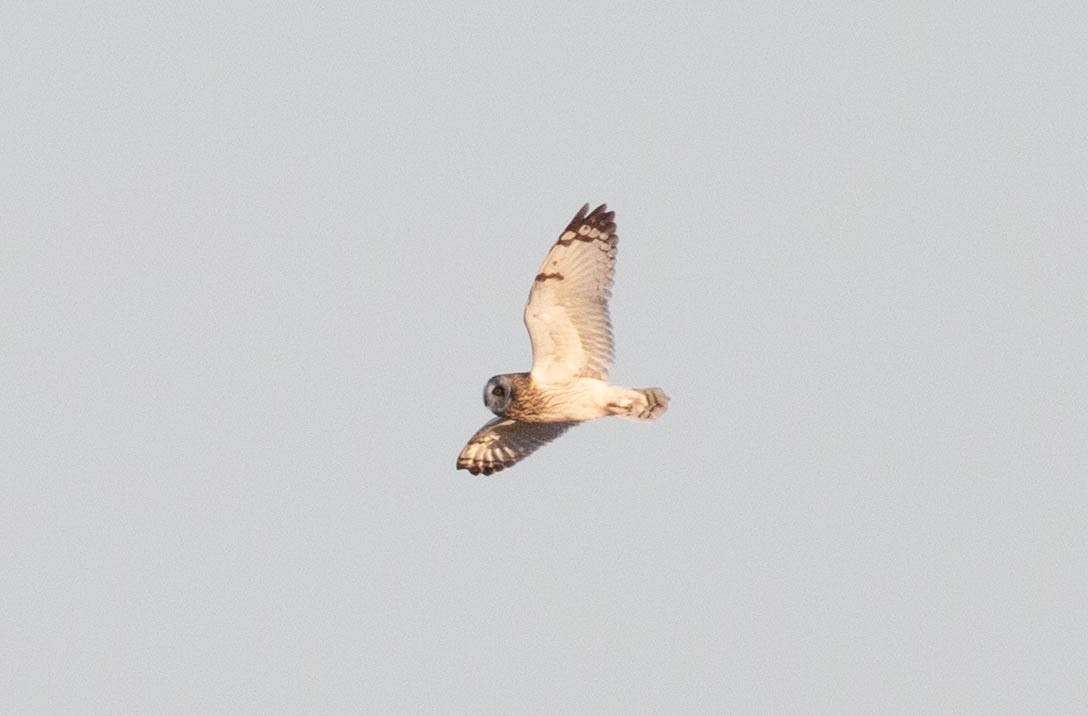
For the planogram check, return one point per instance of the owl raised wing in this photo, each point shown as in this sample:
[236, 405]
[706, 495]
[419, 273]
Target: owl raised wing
[567, 311]
[503, 441]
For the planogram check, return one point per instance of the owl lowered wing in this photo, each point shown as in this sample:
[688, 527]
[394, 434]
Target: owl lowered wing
[502, 442]
[567, 310]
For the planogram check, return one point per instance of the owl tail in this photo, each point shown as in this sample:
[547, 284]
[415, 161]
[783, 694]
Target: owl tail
[638, 403]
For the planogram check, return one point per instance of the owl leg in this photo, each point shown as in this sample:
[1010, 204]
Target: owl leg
[637, 403]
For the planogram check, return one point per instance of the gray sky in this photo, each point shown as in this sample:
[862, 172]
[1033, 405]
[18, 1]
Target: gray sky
[257, 264]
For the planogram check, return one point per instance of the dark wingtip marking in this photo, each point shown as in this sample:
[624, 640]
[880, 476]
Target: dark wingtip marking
[600, 219]
[484, 467]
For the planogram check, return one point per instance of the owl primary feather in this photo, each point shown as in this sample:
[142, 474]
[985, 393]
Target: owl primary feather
[571, 335]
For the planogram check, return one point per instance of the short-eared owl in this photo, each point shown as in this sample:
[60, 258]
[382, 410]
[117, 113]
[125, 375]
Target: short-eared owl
[569, 327]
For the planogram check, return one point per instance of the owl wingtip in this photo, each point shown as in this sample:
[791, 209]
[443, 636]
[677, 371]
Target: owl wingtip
[477, 468]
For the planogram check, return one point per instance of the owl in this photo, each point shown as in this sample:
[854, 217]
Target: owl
[571, 336]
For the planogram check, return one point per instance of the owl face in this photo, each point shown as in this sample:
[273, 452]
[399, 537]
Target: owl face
[498, 393]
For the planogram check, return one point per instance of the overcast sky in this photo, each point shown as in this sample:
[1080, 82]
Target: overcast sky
[257, 263]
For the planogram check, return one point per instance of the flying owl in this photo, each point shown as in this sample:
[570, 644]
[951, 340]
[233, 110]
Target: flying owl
[571, 335]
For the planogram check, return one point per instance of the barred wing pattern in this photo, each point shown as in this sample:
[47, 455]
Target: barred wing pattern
[567, 310]
[502, 442]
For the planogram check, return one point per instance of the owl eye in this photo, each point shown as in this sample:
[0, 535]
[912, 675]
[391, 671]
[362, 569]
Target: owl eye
[498, 391]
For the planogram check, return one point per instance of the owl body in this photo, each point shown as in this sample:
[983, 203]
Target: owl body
[576, 400]
[517, 396]
[571, 335]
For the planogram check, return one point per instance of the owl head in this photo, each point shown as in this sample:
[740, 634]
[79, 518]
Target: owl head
[498, 393]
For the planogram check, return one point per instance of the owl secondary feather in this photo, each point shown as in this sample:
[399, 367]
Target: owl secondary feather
[571, 336]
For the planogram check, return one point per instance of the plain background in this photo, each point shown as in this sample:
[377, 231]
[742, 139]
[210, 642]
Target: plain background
[259, 260]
